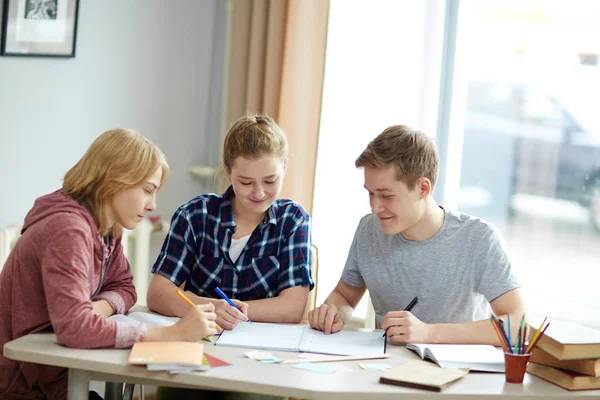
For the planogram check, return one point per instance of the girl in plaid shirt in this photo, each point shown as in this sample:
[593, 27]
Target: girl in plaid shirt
[248, 243]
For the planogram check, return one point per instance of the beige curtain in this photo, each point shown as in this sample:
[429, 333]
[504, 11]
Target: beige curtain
[277, 61]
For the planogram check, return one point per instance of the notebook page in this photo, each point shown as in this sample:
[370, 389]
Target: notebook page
[342, 343]
[417, 348]
[123, 318]
[258, 335]
[153, 319]
[478, 357]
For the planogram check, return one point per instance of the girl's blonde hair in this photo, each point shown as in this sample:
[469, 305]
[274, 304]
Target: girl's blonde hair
[118, 159]
[254, 136]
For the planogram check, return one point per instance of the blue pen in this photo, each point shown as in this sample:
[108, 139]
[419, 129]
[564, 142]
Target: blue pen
[224, 297]
[509, 336]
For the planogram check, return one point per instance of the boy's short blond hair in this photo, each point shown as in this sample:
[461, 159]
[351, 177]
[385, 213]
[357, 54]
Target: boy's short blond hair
[412, 152]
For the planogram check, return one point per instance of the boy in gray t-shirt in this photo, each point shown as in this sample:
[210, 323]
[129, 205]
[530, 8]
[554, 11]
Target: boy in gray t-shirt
[411, 247]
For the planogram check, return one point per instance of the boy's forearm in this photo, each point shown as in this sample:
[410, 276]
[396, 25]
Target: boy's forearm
[343, 306]
[480, 332]
[165, 301]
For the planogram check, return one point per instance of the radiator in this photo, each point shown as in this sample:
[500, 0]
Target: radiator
[141, 247]
[8, 238]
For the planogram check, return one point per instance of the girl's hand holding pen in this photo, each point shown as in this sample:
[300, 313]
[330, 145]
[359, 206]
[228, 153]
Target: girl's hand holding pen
[196, 324]
[230, 312]
[228, 316]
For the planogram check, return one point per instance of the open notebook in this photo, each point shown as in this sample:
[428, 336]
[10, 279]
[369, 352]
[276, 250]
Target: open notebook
[145, 318]
[150, 319]
[477, 357]
[301, 338]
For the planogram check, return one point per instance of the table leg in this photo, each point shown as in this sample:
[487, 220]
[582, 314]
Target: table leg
[113, 391]
[79, 385]
[128, 392]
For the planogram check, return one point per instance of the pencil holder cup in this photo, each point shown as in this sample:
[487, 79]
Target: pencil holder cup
[514, 367]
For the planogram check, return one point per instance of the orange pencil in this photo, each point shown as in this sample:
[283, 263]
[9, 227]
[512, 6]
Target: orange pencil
[497, 329]
[184, 297]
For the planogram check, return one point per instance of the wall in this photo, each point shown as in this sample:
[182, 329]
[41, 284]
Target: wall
[141, 64]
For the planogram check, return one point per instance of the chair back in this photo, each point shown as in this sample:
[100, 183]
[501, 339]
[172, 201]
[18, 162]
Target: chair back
[311, 302]
[371, 318]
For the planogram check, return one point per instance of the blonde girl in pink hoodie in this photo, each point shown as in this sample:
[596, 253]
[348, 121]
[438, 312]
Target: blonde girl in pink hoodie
[68, 272]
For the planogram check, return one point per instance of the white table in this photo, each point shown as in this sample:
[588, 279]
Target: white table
[251, 376]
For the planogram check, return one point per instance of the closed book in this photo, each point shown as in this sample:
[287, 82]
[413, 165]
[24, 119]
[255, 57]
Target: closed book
[168, 353]
[208, 362]
[590, 367]
[565, 379]
[569, 341]
[423, 375]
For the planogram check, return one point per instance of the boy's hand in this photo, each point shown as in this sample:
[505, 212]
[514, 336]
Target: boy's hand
[404, 327]
[325, 318]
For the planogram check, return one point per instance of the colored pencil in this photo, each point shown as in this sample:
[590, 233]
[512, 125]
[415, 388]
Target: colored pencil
[184, 297]
[509, 333]
[532, 344]
[519, 340]
[501, 325]
[500, 336]
[537, 333]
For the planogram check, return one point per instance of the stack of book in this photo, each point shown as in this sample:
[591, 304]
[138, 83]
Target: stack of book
[568, 355]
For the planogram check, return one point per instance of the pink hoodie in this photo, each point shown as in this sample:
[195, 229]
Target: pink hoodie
[59, 266]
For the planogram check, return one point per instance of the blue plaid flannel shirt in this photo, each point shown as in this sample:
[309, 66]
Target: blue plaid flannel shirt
[196, 250]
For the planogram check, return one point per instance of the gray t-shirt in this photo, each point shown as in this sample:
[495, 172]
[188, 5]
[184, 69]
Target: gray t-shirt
[455, 273]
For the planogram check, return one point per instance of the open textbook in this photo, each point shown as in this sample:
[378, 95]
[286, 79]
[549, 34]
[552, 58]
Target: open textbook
[301, 338]
[477, 357]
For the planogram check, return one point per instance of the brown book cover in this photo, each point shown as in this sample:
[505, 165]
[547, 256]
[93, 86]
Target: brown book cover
[179, 353]
[565, 379]
[590, 367]
[569, 341]
[423, 375]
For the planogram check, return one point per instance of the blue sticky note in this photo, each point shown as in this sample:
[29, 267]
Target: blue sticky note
[323, 369]
[272, 361]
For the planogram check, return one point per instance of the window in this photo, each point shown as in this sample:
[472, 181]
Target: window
[530, 164]
[376, 75]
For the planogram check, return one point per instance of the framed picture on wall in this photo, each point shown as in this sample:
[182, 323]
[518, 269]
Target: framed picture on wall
[39, 28]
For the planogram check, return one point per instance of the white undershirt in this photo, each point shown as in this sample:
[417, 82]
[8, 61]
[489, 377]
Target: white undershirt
[237, 245]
